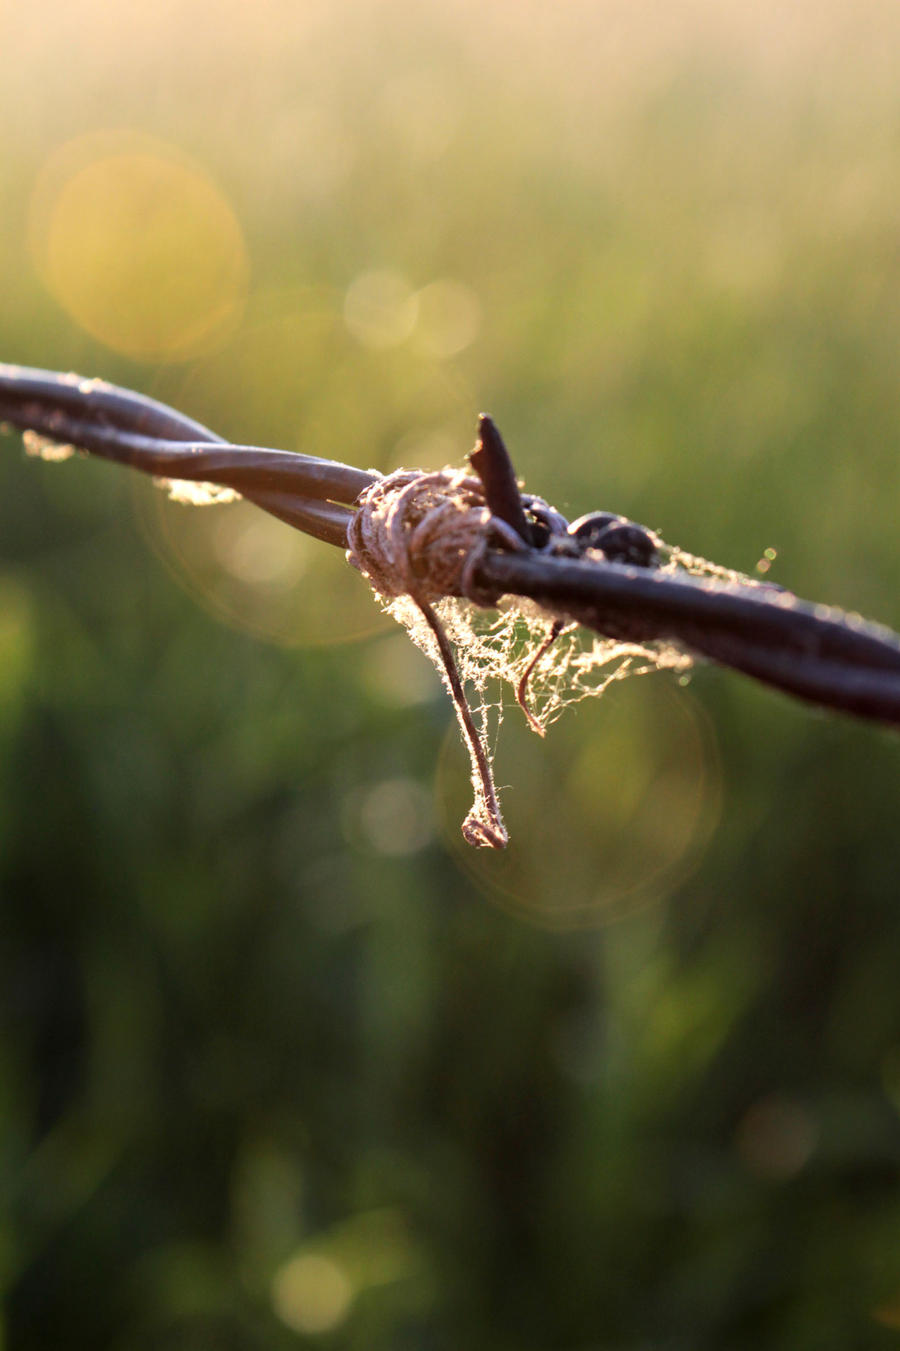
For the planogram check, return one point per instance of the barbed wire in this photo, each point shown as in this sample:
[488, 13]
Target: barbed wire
[520, 546]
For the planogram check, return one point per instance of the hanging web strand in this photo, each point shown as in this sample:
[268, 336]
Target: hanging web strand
[522, 687]
[483, 827]
[417, 538]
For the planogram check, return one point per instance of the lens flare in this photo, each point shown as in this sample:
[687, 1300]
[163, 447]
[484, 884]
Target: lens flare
[138, 246]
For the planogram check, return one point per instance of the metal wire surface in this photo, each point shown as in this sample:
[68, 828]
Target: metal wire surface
[813, 652]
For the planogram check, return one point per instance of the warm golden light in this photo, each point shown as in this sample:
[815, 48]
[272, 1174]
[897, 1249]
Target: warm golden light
[380, 309]
[449, 317]
[141, 249]
[311, 1293]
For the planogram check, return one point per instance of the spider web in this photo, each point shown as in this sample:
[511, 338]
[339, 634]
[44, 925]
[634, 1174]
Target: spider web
[494, 650]
[549, 666]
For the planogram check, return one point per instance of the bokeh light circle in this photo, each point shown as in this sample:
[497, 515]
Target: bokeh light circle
[138, 246]
[257, 574]
[606, 815]
[293, 377]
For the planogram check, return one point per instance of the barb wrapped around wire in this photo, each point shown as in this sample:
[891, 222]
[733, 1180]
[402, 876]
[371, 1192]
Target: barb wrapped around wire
[477, 536]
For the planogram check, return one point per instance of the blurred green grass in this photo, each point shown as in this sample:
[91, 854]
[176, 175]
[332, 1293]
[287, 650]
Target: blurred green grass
[281, 1062]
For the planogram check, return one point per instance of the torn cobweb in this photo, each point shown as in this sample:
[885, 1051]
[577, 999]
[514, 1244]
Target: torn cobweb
[497, 650]
[493, 651]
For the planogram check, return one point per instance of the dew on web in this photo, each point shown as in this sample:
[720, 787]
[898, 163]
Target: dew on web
[679, 560]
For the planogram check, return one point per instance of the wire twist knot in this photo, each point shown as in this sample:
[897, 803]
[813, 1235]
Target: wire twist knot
[423, 534]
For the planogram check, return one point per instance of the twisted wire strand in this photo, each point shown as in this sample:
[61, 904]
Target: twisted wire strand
[813, 652]
[128, 428]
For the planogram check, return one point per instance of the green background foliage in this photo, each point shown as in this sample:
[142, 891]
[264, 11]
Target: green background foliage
[281, 1063]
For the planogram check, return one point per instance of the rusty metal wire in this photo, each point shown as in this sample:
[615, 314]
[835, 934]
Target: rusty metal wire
[813, 652]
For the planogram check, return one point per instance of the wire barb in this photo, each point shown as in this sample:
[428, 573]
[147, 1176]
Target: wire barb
[491, 462]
